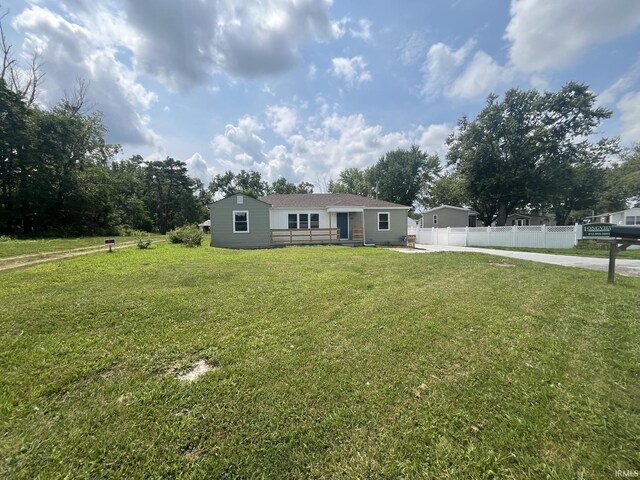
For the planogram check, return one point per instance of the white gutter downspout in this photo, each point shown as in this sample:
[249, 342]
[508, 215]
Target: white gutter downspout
[364, 233]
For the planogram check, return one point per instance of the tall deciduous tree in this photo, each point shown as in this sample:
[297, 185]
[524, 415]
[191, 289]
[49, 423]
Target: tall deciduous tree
[400, 176]
[449, 189]
[283, 186]
[304, 187]
[530, 148]
[246, 182]
[352, 180]
[624, 178]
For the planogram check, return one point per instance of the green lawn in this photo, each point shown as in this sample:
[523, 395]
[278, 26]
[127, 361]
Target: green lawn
[13, 248]
[580, 252]
[332, 362]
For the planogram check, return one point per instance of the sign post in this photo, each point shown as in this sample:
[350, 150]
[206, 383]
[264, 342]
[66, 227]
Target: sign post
[110, 242]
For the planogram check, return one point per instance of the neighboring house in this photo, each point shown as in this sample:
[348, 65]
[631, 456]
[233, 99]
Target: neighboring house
[449, 216]
[412, 225]
[524, 220]
[205, 227]
[630, 216]
[239, 221]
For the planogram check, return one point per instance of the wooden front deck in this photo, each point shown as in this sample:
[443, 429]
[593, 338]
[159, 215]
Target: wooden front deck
[308, 236]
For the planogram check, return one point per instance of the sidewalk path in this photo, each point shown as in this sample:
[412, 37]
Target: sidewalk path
[624, 266]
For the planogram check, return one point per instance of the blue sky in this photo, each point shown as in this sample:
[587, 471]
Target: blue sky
[306, 88]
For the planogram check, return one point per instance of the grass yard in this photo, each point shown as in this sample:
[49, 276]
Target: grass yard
[330, 362]
[579, 252]
[12, 248]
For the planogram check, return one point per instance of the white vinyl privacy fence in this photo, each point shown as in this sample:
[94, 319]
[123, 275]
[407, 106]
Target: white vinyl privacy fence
[538, 236]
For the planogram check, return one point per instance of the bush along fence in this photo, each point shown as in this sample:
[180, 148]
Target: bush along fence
[538, 236]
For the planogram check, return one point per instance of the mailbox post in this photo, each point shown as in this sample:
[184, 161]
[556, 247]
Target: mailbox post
[622, 238]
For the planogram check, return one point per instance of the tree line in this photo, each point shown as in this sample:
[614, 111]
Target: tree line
[531, 152]
[58, 176]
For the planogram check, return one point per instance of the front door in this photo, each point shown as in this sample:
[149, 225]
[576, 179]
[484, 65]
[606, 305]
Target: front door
[343, 225]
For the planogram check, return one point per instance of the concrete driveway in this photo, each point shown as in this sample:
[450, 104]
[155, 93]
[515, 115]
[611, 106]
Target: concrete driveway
[623, 266]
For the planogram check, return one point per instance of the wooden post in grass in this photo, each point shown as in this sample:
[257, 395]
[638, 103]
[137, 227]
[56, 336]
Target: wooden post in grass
[613, 250]
[617, 245]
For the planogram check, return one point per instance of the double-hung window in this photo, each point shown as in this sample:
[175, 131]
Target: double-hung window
[303, 220]
[240, 221]
[383, 220]
[632, 220]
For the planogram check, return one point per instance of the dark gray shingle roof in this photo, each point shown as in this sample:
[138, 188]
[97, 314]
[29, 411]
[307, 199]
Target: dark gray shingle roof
[324, 200]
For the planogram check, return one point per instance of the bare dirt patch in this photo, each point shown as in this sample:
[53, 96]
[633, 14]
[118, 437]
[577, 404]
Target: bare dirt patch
[409, 250]
[502, 264]
[198, 370]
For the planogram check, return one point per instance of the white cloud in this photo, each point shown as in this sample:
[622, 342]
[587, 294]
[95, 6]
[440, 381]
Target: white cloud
[629, 107]
[480, 76]
[543, 35]
[552, 34]
[241, 142]
[353, 70]
[86, 50]
[441, 66]
[321, 146]
[620, 86]
[185, 46]
[311, 73]
[364, 30]
[432, 139]
[281, 119]
[412, 48]
[198, 168]
[267, 89]
[339, 27]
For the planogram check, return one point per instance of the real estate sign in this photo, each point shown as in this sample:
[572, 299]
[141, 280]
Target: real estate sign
[596, 230]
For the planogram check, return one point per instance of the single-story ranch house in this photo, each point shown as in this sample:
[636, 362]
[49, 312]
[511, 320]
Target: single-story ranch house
[240, 221]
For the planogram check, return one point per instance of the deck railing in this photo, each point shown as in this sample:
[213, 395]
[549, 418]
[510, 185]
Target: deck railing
[357, 234]
[283, 236]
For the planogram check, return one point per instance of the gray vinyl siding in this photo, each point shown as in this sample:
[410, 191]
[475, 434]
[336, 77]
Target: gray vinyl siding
[222, 234]
[447, 217]
[397, 227]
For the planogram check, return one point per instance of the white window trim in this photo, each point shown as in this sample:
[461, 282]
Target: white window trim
[388, 222]
[314, 228]
[309, 227]
[434, 220]
[233, 219]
